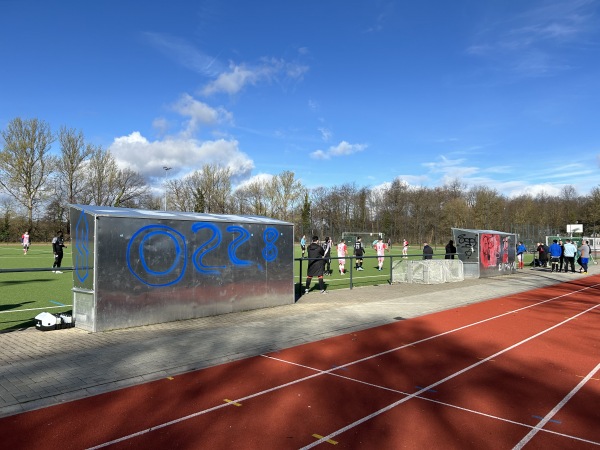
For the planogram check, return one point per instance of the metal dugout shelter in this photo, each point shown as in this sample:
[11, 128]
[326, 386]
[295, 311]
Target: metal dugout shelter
[136, 267]
[485, 253]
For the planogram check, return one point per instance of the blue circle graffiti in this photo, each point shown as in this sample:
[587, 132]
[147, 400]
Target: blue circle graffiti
[142, 253]
[163, 239]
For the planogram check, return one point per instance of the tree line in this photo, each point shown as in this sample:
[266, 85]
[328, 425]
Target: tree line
[37, 186]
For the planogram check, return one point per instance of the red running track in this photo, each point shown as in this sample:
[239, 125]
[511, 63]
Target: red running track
[515, 372]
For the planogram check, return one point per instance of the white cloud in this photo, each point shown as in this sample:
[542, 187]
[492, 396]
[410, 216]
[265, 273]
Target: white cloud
[325, 134]
[531, 44]
[263, 178]
[342, 149]
[183, 155]
[532, 190]
[199, 113]
[161, 125]
[452, 168]
[239, 76]
[185, 54]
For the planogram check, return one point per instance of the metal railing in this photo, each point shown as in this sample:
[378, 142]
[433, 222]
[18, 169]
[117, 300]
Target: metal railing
[389, 264]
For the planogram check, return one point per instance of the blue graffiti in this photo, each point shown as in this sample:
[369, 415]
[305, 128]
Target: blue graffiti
[82, 230]
[152, 246]
[199, 253]
[235, 244]
[151, 238]
[270, 236]
[142, 252]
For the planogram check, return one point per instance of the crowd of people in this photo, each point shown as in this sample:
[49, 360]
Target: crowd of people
[318, 253]
[559, 256]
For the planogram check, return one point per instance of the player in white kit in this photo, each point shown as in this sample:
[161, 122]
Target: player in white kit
[380, 248]
[342, 250]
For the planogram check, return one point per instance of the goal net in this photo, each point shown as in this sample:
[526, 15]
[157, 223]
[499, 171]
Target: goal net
[367, 237]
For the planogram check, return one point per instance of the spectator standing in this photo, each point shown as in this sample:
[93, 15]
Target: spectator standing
[25, 240]
[316, 264]
[359, 252]
[584, 254]
[521, 250]
[561, 260]
[303, 245]
[427, 251]
[58, 244]
[450, 250]
[389, 243]
[555, 252]
[542, 255]
[342, 250]
[570, 252]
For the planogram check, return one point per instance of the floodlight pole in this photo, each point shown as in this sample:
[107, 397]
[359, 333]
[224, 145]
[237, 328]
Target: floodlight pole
[166, 169]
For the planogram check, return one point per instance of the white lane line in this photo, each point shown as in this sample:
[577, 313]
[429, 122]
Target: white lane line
[480, 413]
[555, 410]
[240, 400]
[437, 383]
[438, 402]
[32, 309]
[479, 322]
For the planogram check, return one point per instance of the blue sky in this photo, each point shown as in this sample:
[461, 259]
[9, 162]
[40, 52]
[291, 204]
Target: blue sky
[504, 94]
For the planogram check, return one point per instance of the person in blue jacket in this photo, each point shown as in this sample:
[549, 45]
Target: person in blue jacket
[555, 251]
[521, 250]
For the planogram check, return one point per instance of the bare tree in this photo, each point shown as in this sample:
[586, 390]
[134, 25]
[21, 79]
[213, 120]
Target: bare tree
[286, 194]
[101, 174]
[592, 210]
[180, 195]
[207, 190]
[255, 197]
[71, 163]
[130, 189]
[216, 187]
[25, 162]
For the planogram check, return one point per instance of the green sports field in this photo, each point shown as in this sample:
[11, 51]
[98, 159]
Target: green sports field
[23, 295]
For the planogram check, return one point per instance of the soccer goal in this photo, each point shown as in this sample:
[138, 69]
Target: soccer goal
[368, 238]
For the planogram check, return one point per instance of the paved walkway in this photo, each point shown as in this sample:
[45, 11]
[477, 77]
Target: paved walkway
[39, 369]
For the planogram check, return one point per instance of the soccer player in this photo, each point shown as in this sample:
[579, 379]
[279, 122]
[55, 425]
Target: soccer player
[25, 241]
[359, 252]
[380, 248]
[58, 244]
[342, 250]
[327, 248]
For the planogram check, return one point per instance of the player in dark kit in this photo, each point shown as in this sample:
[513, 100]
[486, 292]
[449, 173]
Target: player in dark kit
[58, 244]
[327, 256]
[359, 252]
[316, 264]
